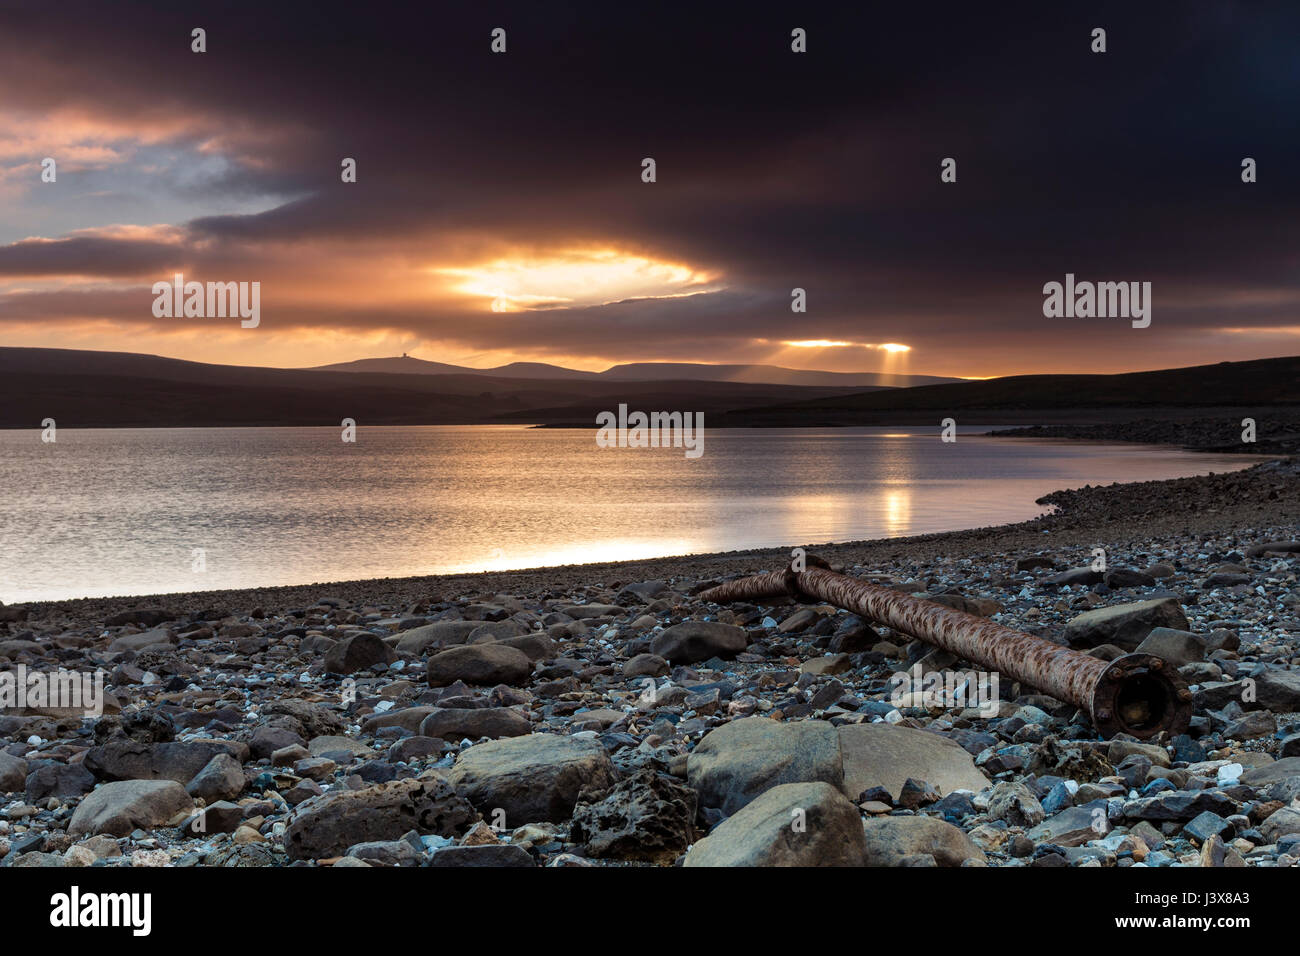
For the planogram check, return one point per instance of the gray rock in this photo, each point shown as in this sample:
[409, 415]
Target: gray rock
[412, 748]
[693, 641]
[793, 824]
[646, 665]
[532, 779]
[408, 718]
[1252, 726]
[538, 647]
[357, 652]
[408, 851]
[1124, 625]
[479, 664]
[126, 759]
[1015, 804]
[1073, 576]
[1272, 773]
[328, 825]
[489, 631]
[1179, 805]
[1177, 647]
[118, 808]
[222, 778]
[335, 743]
[582, 612]
[1279, 691]
[1279, 547]
[275, 734]
[1280, 823]
[1225, 580]
[1073, 826]
[138, 642]
[221, 816]
[439, 634]
[47, 780]
[457, 723]
[1127, 578]
[13, 773]
[1205, 825]
[488, 854]
[736, 762]
[892, 839]
[648, 816]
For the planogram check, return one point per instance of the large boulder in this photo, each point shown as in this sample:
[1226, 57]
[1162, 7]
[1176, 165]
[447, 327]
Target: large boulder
[118, 808]
[1124, 625]
[890, 839]
[532, 779]
[327, 825]
[483, 664]
[693, 641]
[792, 824]
[884, 755]
[736, 762]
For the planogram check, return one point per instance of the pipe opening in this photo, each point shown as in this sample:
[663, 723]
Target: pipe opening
[1142, 696]
[1142, 704]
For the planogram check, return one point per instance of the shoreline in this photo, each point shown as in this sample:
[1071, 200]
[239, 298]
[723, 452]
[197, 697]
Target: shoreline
[1082, 518]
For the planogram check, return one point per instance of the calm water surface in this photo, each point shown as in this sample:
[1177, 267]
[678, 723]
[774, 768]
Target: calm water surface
[122, 511]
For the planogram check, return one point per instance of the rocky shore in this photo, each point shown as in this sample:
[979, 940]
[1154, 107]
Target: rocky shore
[605, 715]
[1277, 432]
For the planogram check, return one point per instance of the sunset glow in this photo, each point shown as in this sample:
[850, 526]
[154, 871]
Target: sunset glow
[575, 278]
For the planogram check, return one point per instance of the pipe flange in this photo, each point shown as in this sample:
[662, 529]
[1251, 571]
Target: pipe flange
[1141, 695]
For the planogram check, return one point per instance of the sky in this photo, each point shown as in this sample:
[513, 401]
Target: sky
[499, 211]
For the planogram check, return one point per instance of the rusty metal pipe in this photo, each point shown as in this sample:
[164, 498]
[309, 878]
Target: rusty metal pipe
[1137, 694]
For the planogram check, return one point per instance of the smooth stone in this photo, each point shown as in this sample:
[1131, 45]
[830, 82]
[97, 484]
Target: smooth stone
[533, 778]
[885, 755]
[792, 824]
[740, 760]
[121, 807]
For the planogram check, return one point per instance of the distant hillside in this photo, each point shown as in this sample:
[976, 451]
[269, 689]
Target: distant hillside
[105, 389]
[407, 365]
[1262, 382]
[645, 372]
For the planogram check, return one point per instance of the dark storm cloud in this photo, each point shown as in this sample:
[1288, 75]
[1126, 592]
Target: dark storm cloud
[819, 171]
